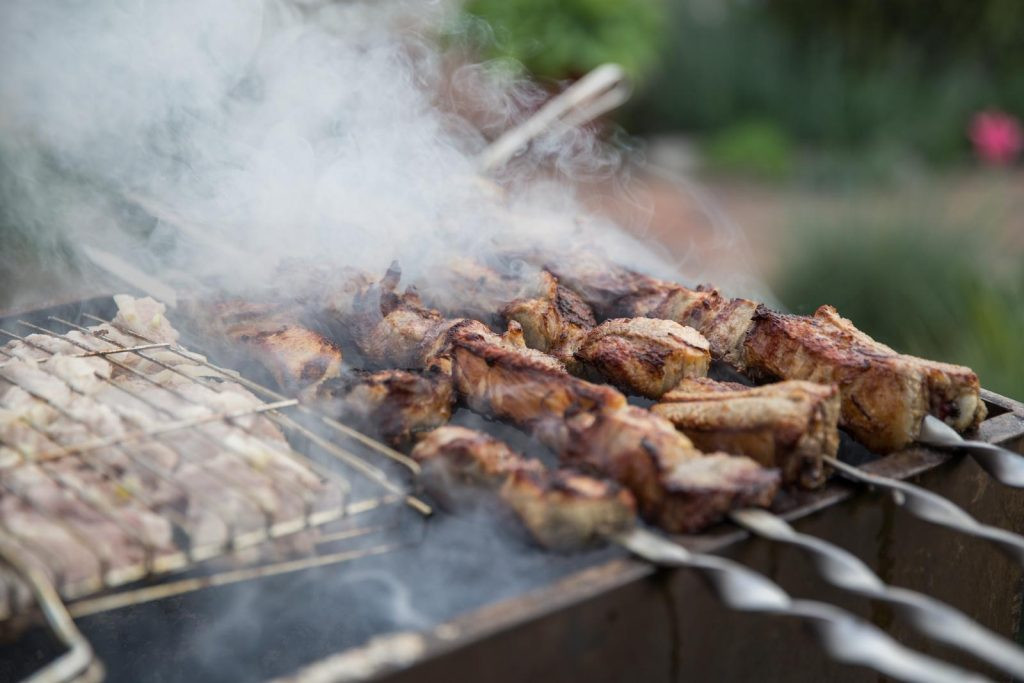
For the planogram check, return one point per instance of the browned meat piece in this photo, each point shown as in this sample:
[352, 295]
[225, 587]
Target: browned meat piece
[885, 395]
[554, 322]
[645, 356]
[561, 509]
[788, 425]
[676, 486]
[393, 404]
[100, 515]
[519, 384]
[565, 510]
[616, 292]
[498, 376]
[469, 456]
[297, 357]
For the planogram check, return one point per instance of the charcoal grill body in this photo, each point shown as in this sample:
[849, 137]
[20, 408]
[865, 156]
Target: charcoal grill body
[626, 621]
[613, 618]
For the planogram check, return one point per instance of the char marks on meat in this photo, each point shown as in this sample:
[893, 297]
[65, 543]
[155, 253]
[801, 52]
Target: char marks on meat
[298, 358]
[645, 356]
[884, 394]
[789, 425]
[393, 405]
[561, 509]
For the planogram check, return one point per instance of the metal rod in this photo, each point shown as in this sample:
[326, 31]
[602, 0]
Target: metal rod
[930, 616]
[934, 508]
[843, 636]
[79, 657]
[1001, 463]
[381, 448]
[600, 91]
[139, 596]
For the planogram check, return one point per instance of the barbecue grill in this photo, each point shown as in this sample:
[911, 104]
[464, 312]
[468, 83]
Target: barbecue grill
[617, 617]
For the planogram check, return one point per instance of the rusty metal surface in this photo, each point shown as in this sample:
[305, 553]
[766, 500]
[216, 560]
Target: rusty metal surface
[626, 621]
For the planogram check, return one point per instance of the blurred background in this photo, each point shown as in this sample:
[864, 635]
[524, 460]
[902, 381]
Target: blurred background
[868, 151]
[864, 154]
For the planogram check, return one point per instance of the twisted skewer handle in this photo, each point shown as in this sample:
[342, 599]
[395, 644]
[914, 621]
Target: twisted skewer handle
[936, 509]
[1003, 464]
[930, 616]
[845, 637]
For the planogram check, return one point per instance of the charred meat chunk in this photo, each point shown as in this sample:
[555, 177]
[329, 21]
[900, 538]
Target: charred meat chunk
[885, 394]
[561, 509]
[392, 404]
[789, 425]
[645, 356]
[677, 487]
[298, 358]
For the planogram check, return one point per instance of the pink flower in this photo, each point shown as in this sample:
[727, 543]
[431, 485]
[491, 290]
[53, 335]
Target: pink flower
[996, 136]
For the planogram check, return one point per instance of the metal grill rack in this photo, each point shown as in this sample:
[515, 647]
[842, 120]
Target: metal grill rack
[323, 494]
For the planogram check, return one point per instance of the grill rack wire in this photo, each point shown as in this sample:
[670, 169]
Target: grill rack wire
[120, 586]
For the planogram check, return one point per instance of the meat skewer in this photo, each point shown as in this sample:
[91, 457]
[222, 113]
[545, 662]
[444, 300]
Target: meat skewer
[790, 426]
[562, 509]
[566, 510]
[298, 358]
[589, 425]
[884, 395]
[641, 356]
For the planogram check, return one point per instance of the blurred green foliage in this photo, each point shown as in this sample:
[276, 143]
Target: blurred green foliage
[760, 149]
[558, 39]
[922, 289]
[842, 74]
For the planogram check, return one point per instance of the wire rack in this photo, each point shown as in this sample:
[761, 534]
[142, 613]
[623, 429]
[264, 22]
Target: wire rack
[203, 467]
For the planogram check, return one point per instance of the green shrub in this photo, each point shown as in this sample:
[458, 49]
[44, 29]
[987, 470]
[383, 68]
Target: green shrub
[926, 290]
[844, 81]
[755, 148]
[560, 39]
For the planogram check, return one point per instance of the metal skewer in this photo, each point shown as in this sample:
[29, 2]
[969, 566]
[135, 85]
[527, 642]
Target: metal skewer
[600, 91]
[935, 509]
[843, 636]
[1004, 465]
[930, 616]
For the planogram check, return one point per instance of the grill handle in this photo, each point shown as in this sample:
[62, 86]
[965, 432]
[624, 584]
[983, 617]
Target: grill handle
[1003, 464]
[79, 663]
[846, 638]
[930, 616]
[935, 509]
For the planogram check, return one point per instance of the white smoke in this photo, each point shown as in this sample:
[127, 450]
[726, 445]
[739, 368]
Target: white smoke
[276, 129]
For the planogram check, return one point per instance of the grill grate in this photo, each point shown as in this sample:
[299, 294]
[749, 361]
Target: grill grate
[195, 452]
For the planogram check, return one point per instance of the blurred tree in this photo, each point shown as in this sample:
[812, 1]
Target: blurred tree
[560, 39]
[850, 75]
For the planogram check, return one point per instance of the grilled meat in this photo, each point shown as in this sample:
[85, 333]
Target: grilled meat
[296, 357]
[788, 425]
[83, 516]
[392, 404]
[498, 375]
[521, 385]
[641, 356]
[554, 322]
[884, 394]
[677, 487]
[645, 356]
[561, 509]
